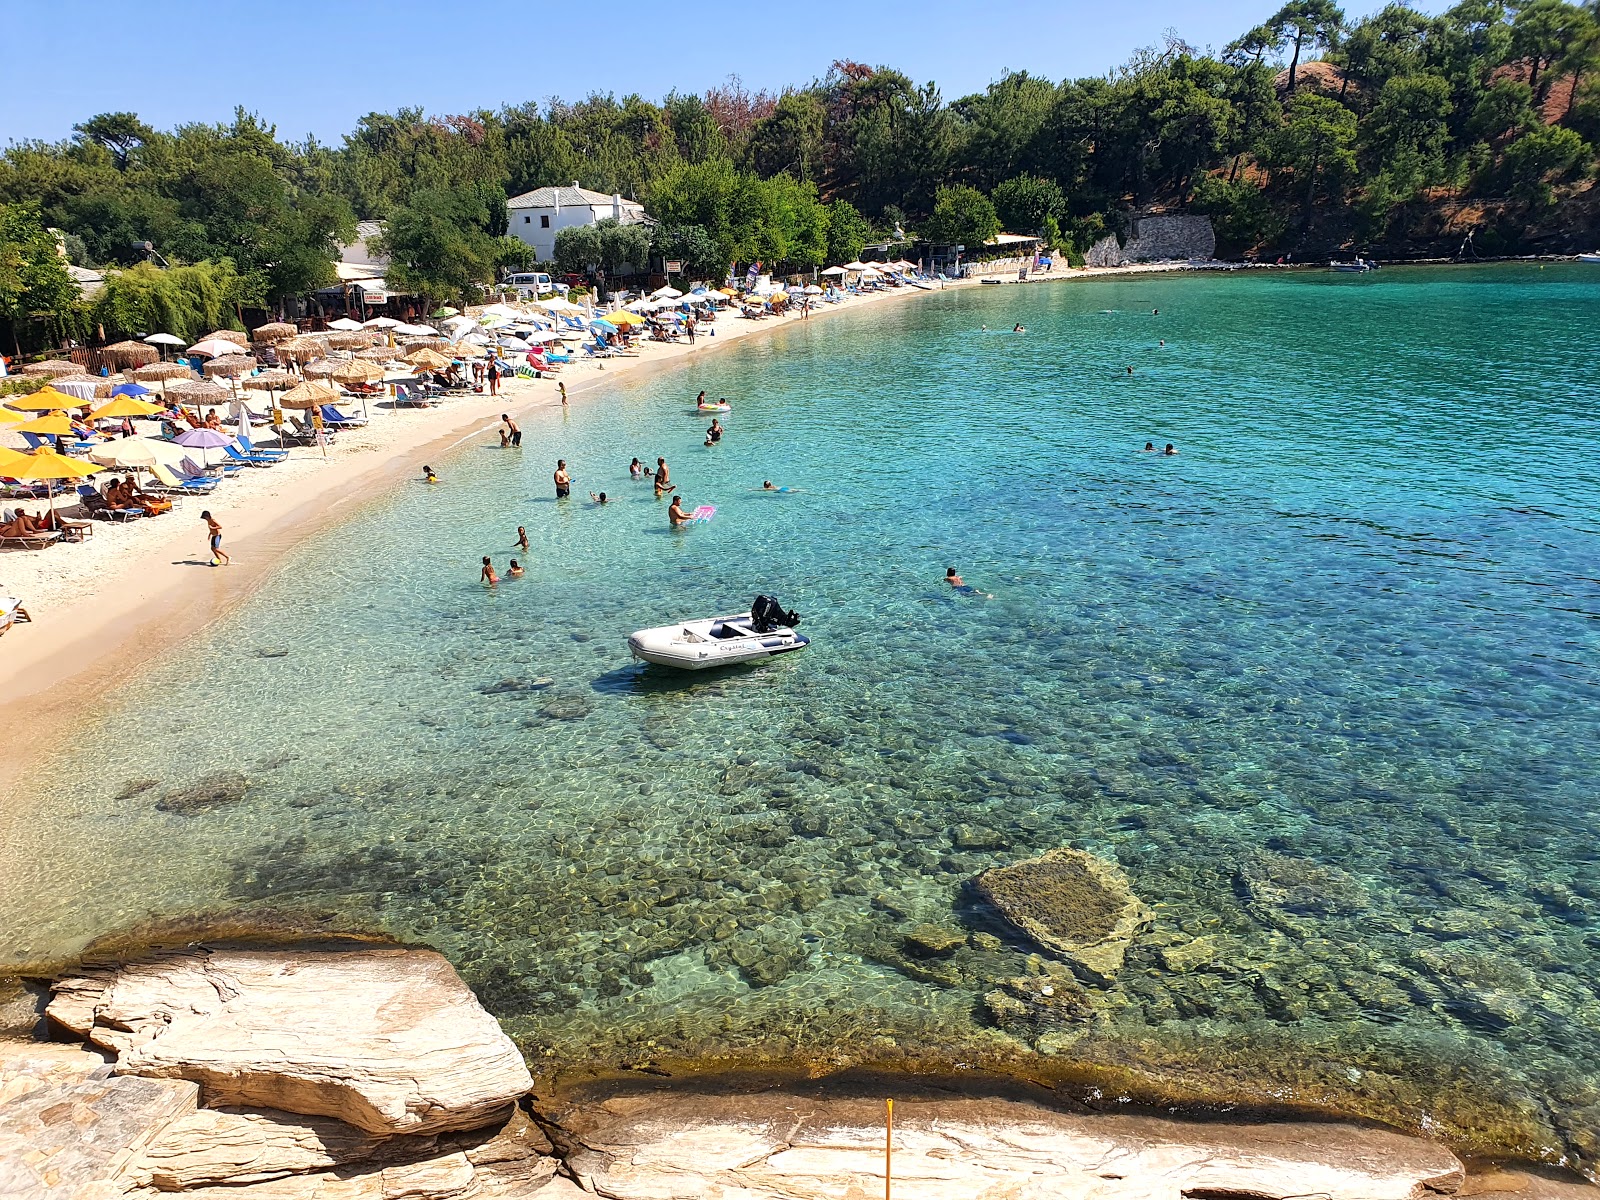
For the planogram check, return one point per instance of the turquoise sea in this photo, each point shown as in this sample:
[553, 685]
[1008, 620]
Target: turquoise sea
[1324, 684]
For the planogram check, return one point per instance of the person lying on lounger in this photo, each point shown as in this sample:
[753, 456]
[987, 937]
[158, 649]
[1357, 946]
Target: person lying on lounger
[22, 527]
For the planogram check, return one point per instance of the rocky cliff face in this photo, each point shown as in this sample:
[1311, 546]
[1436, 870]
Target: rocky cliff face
[1158, 239]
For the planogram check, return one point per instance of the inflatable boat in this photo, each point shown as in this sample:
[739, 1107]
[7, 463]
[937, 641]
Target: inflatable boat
[716, 408]
[764, 632]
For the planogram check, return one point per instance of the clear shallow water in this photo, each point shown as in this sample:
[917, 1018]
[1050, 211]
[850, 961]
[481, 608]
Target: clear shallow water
[1324, 685]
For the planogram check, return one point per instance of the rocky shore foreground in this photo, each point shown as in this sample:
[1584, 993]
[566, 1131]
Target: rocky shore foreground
[374, 1074]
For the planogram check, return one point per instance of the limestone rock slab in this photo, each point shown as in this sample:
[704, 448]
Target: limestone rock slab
[799, 1147]
[1072, 903]
[388, 1040]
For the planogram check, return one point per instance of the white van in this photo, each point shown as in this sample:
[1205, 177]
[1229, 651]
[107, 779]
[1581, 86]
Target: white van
[532, 284]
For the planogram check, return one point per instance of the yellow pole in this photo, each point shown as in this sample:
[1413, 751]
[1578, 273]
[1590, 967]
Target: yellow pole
[888, 1148]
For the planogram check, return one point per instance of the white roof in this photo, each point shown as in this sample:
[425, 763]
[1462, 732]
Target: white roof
[550, 197]
[350, 272]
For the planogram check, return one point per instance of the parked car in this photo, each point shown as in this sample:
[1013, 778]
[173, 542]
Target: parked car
[535, 283]
[574, 280]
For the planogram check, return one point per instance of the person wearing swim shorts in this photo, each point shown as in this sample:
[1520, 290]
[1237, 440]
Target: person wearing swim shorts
[218, 554]
[563, 480]
[511, 435]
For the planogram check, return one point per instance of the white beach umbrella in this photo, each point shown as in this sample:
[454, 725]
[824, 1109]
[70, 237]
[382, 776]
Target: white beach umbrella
[813, 290]
[381, 323]
[542, 335]
[345, 325]
[164, 339]
[214, 348]
[669, 292]
[832, 271]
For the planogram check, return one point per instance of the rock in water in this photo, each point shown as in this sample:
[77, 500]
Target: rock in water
[389, 1040]
[1073, 904]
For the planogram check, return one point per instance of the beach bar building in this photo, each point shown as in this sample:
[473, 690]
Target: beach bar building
[537, 216]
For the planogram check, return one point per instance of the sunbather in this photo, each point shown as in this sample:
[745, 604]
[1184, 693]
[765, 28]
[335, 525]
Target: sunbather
[23, 526]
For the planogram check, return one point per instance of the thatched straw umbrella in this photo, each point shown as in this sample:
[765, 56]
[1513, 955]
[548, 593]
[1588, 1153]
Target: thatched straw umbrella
[356, 371]
[274, 331]
[230, 366]
[378, 354]
[428, 359]
[227, 335]
[268, 381]
[162, 371]
[437, 343]
[349, 341]
[304, 348]
[131, 354]
[322, 368]
[197, 392]
[52, 368]
[309, 395]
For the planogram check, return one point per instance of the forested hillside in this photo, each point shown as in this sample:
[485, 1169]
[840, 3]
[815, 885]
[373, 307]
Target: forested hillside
[1397, 134]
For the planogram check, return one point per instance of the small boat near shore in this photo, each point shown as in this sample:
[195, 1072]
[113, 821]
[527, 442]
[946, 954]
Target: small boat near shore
[1360, 264]
[766, 631]
[1590, 258]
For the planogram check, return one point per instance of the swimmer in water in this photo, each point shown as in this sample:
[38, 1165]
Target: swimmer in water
[1149, 448]
[676, 515]
[638, 470]
[714, 432]
[428, 476]
[599, 498]
[961, 585]
[1170, 449]
[1155, 312]
[516, 571]
[1130, 370]
[768, 486]
[488, 575]
[522, 539]
[1162, 344]
[1019, 329]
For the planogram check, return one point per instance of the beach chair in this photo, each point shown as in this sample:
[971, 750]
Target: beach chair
[31, 541]
[193, 470]
[249, 460]
[332, 416]
[12, 613]
[252, 449]
[99, 507]
[173, 485]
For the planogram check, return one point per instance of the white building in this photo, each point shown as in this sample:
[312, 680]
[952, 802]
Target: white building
[537, 216]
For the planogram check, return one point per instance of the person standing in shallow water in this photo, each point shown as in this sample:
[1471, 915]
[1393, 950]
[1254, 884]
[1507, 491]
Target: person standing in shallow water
[563, 479]
[487, 575]
[214, 532]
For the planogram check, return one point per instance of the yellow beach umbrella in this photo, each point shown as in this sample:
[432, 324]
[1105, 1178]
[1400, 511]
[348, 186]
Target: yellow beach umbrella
[57, 424]
[46, 466]
[10, 416]
[125, 406]
[46, 399]
[624, 317]
[9, 458]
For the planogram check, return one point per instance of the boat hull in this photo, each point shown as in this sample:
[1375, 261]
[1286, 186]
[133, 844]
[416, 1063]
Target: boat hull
[718, 642]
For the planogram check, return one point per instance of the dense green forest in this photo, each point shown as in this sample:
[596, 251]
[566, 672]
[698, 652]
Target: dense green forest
[1309, 132]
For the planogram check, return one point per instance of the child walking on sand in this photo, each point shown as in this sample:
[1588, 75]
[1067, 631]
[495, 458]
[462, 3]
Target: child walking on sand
[218, 554]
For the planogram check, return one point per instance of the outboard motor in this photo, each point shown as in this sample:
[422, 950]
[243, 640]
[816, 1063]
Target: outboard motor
[766, 614]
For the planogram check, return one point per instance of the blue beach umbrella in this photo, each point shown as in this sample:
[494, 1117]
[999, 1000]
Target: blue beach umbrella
[605, 325]
[129, 389]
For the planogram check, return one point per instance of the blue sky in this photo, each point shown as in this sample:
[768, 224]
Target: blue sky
[316, 68]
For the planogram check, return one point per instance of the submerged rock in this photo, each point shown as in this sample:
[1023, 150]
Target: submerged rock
[934, 941]
[213, 791]
[1032, 1005]
[516, 686]
[390, 1041]
[1301, 886]
[1073, 904]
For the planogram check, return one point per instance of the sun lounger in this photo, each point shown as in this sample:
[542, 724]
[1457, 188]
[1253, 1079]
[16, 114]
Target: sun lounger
[11, 613]
[174, 485]
[98, 506]
[29, 541]
[249, 460]
[332, 416]
[252, 449]
[193, 470]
